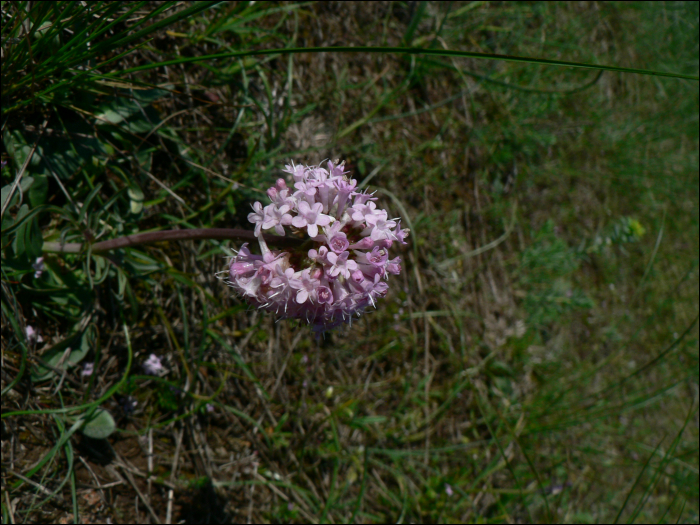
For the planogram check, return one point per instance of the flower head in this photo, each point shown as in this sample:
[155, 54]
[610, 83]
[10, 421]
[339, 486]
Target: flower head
[38, 266]
[33, 336]
[335, 278]
[88, 369]
[153, 366]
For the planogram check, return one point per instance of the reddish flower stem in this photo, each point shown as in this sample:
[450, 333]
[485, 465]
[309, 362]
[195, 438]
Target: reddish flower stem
[169, 235]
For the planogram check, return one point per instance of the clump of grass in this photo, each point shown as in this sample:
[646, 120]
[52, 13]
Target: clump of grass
[540, 359]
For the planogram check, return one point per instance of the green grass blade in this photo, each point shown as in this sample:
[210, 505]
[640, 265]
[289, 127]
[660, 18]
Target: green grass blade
[65, 436]
[363, 487]
[658, 358]
[636, 482]
[189, 12]
[409, 51]
[662, 466]
[477, 398]
[680, 514]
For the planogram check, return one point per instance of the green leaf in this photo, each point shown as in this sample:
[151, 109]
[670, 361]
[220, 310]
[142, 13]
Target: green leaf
[64, 154]
[39, 191]
[19, 150]
[85, 208]
[500, 369]
[73, 288]
[24, 185]
[58, 153]
[33, 241]
[100, 425]
[18, 242]
[145, 157]
[101, 269]
[9, 226]
[55, 356]
[136, 198]
[122, 108]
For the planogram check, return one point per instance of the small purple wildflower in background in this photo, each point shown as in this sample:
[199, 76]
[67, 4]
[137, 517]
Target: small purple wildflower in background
[88, 369]
[33, 336]
[128, 404]
[153, 366]
[448, 490]
[38, 267]
[340, 273]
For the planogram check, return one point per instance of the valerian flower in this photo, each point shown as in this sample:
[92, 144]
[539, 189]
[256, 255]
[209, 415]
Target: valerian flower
[257, 217]
[340, 271]
[341, 265]
[276, 217]
[310, 217]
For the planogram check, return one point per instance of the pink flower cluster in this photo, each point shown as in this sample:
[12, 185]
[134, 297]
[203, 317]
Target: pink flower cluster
[344, 270]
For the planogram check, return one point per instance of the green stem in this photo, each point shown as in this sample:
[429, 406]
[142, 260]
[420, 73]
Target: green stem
[169, 235]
